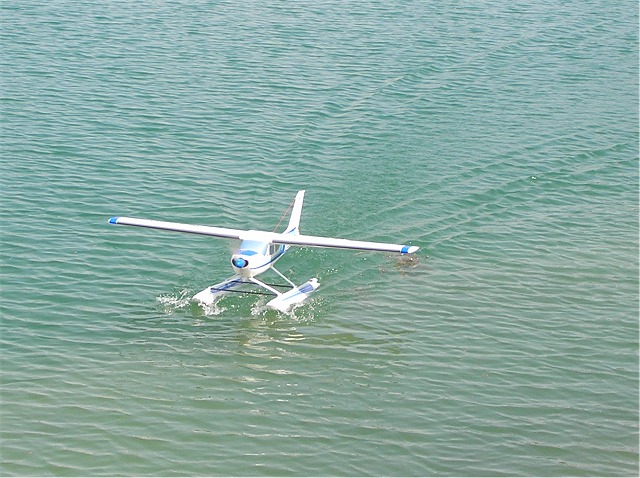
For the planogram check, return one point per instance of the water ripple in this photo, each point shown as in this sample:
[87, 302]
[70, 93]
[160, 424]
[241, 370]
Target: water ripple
[500, 138]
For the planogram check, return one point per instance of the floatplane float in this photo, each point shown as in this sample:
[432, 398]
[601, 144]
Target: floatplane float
[259, 251]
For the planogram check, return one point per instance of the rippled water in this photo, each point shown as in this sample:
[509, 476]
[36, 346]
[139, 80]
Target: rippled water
[502, 138]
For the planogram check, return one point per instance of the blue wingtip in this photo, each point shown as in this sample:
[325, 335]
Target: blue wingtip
[113, 220]
[409, 249]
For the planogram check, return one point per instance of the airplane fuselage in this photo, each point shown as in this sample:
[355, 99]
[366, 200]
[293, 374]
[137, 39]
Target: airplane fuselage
[255, 257]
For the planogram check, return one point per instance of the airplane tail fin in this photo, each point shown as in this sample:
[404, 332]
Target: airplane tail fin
[296, 212]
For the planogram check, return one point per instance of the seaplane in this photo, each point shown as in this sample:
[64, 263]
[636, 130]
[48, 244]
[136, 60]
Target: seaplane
[258, 253]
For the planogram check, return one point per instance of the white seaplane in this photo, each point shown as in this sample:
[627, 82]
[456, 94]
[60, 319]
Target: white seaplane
[259, 251]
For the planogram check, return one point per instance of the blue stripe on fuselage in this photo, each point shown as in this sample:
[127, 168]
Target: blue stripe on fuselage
[274, 258]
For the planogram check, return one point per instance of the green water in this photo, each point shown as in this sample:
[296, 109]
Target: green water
[500, 137]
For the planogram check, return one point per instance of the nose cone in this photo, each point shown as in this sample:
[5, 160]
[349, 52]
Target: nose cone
[239, 262]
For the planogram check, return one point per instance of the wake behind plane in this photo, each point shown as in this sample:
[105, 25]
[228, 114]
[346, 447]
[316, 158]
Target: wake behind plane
[259, 251]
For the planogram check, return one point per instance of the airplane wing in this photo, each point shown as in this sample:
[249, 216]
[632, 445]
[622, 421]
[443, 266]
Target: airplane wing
[317, 241]
[274, 238]
[178, 227]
